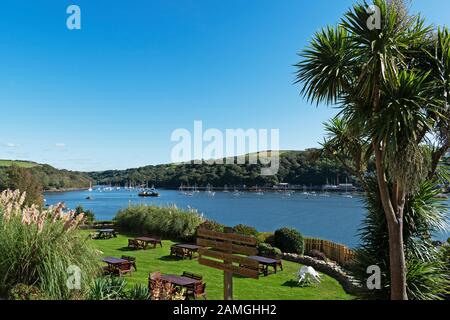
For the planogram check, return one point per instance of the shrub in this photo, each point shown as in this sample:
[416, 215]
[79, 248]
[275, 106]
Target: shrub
[266, 250]
[267, 237]
[424, 214]
[49, 242]
[167, 221]
[289, 240]
[89, 216]
[139, 292]
[212, 226]
[245, 230]
[108, 288]
[26, 292]
[317, 254]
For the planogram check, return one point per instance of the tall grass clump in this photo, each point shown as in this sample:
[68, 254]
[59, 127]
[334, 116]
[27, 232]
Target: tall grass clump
[37, 247]
[168, 221]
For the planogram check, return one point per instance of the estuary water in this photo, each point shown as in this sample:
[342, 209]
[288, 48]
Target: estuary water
[333, 217]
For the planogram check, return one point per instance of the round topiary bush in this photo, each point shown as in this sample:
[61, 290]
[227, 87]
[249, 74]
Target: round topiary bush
[289, 240]
[266, 250]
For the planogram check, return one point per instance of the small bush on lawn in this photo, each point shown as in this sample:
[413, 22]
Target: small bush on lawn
[37, 247]
[289, 240]
[167, 221]
[266, 250]
[245, 230]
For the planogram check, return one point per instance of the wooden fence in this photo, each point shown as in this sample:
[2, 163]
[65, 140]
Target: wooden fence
[334, 251]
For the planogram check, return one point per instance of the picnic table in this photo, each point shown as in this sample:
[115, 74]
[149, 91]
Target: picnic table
[184, 250]
[145, 241]
[179, 281]
[117, 266]
[106, 233]
[265, 263]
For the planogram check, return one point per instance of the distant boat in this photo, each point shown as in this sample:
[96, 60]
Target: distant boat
[90, 187]
[89, 198]
[148, 194]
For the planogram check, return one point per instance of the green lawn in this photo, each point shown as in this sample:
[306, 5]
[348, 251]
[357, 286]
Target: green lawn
[280, 286]
[23, 164]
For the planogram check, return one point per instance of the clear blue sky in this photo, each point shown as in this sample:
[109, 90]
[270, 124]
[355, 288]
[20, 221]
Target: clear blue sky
[109, 96]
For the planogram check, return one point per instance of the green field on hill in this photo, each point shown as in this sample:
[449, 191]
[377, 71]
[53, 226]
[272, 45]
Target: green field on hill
[23, 164]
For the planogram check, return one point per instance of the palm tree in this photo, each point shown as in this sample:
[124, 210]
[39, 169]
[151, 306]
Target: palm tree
[392, 85]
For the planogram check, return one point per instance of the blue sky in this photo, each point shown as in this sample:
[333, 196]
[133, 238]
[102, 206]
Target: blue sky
[109, 96]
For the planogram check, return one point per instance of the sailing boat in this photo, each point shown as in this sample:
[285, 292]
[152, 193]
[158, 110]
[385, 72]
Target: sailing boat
[259, 191]
[209, 191]
[90, 187]
[304, 190]
[236, 192]
[347, 195]
[225, 189]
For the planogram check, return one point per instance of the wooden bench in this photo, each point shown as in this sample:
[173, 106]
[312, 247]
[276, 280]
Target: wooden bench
[180, 252]
[192, 276]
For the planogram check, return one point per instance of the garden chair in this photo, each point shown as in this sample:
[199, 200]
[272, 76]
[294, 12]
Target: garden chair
[123, 268]
[132, 260]
[196, 291]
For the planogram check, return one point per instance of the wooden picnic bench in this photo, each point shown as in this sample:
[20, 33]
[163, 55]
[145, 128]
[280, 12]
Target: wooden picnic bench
[143, 242]
[265, 263]
[184, 250]
[117, 266]
[194, 288]
[105, 234]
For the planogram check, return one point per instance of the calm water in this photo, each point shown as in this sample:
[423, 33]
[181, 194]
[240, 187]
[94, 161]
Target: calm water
[334, 218]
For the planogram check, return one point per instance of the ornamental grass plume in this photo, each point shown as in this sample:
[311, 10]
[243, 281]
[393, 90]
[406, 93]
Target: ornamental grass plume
[38, 246]
[163, 290]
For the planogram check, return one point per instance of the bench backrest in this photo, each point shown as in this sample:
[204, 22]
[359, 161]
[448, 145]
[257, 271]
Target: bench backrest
[192, 275]
[131, 259]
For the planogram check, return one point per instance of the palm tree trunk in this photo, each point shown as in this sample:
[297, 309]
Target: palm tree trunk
[394, 218]
[397, 261]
